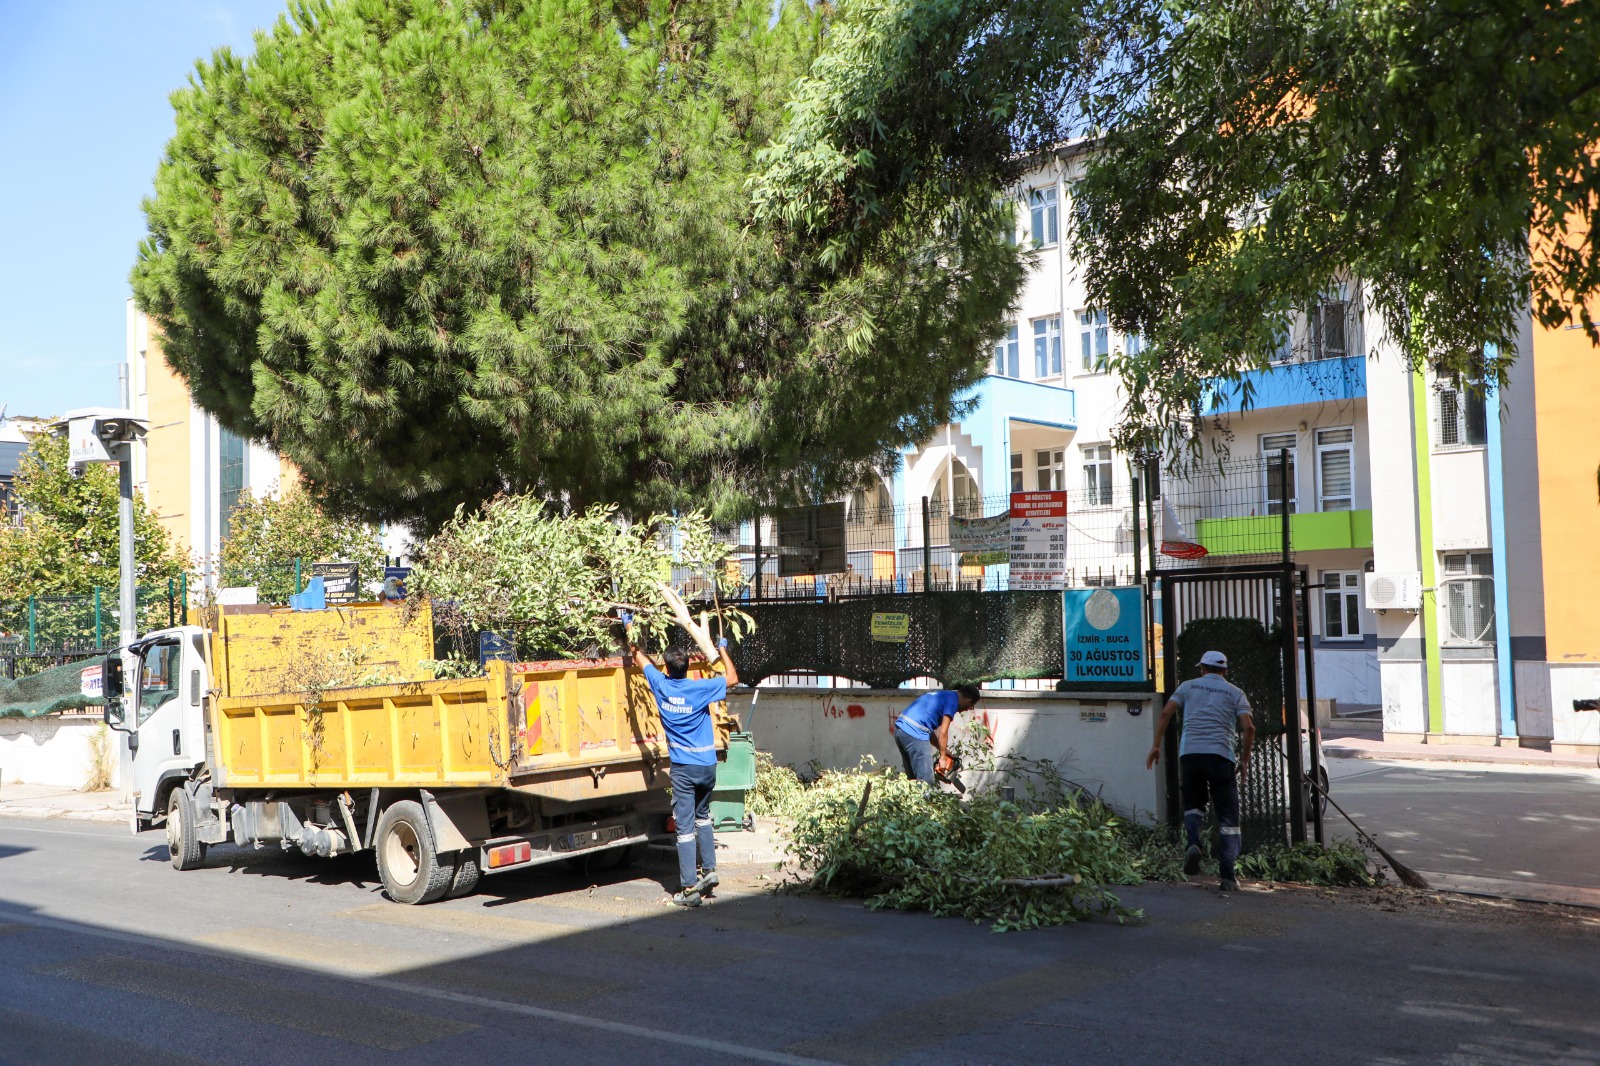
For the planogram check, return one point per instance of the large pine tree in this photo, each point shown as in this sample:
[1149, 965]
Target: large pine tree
[434, 250]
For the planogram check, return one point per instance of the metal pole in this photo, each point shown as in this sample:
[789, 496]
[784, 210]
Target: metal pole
[1291, 655]
[1151, 472]
[1313, 734]
[927, 547]
[33, 624]
[297, 589]
[128, 575]
[99, 628]
[755, 593]
[1138, 553]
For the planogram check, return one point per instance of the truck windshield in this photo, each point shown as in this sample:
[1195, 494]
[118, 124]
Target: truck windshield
[158, 678]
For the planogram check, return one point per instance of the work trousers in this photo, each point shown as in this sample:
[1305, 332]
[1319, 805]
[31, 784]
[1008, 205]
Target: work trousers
[1212, 777]
[691, 810]
[917, 754]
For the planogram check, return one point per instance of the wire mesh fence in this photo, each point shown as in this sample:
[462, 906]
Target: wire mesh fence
[1234, 510]
[54, 625]
[837, 551]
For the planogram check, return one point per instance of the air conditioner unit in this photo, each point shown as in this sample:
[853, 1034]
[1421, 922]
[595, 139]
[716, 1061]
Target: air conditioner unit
[1400, 591]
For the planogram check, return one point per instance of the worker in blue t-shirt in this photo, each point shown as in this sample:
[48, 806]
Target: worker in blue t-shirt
[925, 725]
[685, 705]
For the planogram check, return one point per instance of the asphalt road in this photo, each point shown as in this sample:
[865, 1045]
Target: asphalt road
[109, 956]
[1510, 824]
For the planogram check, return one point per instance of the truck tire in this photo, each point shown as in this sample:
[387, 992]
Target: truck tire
[465, 880]
[182, 843]
[412, 871]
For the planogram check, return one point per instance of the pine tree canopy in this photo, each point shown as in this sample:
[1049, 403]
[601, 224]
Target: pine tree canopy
[432, 251]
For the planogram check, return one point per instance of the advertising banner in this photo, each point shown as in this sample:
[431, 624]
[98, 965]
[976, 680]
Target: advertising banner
[891, 627]
[981, 541]
[1038, 540]
[342, 581]
[1104, 634]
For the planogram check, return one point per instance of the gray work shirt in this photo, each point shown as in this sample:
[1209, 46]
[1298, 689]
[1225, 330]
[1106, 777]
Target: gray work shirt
[1211, 710]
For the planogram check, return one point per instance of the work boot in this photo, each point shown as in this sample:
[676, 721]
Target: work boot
[687, 897]
[1191, 861]
[708, 882]
[1230, 884]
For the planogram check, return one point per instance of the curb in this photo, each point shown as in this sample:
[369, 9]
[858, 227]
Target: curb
[1455, 755]
[87, 814]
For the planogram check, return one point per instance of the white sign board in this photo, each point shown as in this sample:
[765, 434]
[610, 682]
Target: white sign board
[240, 596]
[90, 681]
[1038, 540]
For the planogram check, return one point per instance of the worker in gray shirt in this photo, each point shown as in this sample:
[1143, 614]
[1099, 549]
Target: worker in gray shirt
[1213, 709]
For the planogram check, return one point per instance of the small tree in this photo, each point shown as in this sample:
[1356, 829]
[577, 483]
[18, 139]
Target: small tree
[557, 581]
[267, 534]
[68, 541]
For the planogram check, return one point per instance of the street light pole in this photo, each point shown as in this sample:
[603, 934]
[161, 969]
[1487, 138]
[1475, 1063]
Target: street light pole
[128, 577]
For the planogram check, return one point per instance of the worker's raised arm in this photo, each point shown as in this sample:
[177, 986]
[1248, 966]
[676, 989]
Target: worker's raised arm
[729, 672]
[640, 659]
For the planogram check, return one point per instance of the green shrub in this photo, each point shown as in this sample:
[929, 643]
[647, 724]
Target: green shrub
[1344, 863]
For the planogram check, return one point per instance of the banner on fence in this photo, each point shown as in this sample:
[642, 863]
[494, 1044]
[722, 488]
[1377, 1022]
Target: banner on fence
[891, 627]
[1103, 635]
[981, 541]
[1038, 540]
[340, 581]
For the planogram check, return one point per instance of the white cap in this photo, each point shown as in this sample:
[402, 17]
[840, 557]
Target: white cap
[1214, 658]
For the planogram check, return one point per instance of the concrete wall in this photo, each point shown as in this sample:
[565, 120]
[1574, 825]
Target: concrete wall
[48, 751]
[1096, 741]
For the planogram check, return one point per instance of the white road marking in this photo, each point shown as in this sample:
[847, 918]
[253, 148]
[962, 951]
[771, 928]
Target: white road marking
[1481, 975]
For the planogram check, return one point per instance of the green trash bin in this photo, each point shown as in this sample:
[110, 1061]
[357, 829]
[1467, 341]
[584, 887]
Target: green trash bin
[736, 775]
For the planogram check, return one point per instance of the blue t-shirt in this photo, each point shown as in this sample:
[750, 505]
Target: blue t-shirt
[685, 706]
[1212, 707]
[926, 712]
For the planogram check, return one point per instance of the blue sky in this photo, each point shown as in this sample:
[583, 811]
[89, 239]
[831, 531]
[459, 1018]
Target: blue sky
[83, 121]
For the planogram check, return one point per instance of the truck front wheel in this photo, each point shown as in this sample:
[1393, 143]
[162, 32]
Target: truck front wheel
[182, 843]
[410, 867]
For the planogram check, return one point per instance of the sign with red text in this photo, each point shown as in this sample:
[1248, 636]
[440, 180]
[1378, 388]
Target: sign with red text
[1038, 540]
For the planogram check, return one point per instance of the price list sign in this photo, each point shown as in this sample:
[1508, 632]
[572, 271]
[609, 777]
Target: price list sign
[1038, 540]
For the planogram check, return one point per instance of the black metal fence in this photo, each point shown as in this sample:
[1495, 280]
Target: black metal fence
[1232, 508]
[885, 640]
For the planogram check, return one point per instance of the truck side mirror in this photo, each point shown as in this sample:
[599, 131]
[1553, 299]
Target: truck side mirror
[113, 714]
[111, 685]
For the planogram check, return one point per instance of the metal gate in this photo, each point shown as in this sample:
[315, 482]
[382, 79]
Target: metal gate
[1247, 614]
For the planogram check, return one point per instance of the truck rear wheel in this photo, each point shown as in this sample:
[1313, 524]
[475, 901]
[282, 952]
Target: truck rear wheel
[411, 869]
[464, 881]
[182, 843]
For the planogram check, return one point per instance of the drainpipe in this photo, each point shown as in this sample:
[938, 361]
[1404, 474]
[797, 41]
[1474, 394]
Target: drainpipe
[1425, 553]
[1502, 584]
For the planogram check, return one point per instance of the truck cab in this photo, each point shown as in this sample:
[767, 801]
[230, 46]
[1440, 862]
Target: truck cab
[161, 709]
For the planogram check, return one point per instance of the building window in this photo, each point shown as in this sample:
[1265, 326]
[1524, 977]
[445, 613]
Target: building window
[1045, 216]
[1006, 355]
[8, 503]
[1466, 598]
[1463, 417]
[230, 476]
[1326, 324]
[1272, 474]
[1133, 343]
[1097, 475]
[968, 504]
[1016, 472]
[1052, 467]
[1335, 469]
[1341, 605]
[1094, 336]
[1047, 347]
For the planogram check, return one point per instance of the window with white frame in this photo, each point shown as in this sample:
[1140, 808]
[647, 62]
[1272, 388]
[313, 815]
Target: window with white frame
[1094, 339]
[1326, 329]
[1052, 467]
[1466, 598]
[1336, 469]
[1133, 343]
[1047, 347]
[1044, 216]
[1097, 474]
[1272, 475]
[1016, 472]
[1463, 417]
[1007, 363]
[1341, 605]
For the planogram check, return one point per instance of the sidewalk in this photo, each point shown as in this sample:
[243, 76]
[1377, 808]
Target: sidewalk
[53, 801]
[1341, 744]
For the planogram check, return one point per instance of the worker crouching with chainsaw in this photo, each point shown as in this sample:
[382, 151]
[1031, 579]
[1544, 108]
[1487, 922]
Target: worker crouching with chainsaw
[1213, 708]
[923, 730]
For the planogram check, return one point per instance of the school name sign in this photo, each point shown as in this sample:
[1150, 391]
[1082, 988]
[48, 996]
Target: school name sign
[1104, 636]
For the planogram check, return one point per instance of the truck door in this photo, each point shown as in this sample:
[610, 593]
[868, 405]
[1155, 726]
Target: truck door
[165, 742]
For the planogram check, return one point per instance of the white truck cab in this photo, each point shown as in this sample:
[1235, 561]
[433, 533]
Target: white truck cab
[161, 709]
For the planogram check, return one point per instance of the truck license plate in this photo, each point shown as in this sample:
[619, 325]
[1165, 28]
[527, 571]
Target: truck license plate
[592, 838]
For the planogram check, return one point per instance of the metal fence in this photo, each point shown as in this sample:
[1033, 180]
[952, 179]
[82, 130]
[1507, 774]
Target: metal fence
[846, 550]
[54, 625]
[1233, 508]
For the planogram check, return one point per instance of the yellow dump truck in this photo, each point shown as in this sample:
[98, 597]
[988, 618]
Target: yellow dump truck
[317, 730]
